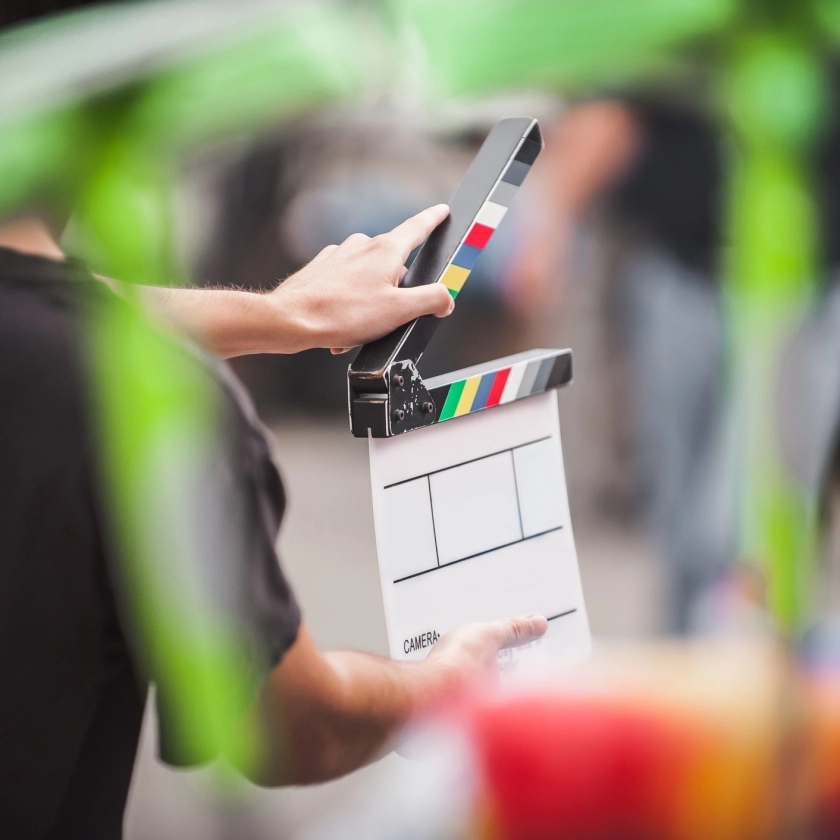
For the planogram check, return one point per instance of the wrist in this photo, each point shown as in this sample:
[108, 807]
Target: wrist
[433, 682]
[236, 323]
[287, 325]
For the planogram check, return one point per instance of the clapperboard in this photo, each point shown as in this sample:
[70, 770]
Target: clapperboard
[469, 491]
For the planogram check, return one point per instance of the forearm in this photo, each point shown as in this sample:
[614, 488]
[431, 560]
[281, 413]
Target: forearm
[375, 698]
[231, 322]
[327, 714]
[347, 295]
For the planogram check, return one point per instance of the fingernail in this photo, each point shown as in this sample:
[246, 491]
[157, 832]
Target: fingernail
[538, 624]
[451, 305]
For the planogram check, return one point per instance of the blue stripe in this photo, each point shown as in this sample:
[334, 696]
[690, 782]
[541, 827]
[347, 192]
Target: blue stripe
[483, 391]
[466, 256]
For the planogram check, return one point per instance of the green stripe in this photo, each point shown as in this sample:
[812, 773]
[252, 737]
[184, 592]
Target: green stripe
[451, 402]
[452, 292]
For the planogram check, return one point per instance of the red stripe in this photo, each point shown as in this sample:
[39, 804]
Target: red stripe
[479, 235]
[498, 387]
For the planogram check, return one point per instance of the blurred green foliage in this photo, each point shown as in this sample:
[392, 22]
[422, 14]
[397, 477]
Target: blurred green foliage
[113, 157]
[157, 419]
[482, 47]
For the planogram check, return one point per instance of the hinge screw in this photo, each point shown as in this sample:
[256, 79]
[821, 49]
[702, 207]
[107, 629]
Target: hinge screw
[427, 407]
[400, 380]
[398, 415]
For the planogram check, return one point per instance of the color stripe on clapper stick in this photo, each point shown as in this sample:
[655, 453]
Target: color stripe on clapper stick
[488, 218]
[496, 387]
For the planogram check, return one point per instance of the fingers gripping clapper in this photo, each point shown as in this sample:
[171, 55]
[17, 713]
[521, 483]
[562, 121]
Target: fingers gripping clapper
[386, 394]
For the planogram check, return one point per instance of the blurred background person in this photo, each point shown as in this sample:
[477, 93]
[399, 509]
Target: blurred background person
[652, 169]
[657, 170]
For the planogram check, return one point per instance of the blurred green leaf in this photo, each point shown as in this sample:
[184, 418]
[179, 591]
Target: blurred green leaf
[776, 91]
[827, 14]
[156, 413]
[310, 57]
[482, 45]
[42, 159]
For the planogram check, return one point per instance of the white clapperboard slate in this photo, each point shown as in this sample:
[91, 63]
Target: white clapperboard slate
[469, 491]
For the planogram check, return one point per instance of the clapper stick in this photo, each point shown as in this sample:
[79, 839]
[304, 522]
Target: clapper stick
[386, 394]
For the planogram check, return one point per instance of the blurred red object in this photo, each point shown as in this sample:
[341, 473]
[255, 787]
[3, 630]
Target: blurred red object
[575, 768]
[707, 742]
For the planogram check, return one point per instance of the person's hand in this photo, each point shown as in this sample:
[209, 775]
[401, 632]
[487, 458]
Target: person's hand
[349, 294]
[470, 653]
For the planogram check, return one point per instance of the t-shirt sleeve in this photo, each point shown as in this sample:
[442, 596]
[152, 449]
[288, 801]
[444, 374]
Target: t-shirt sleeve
[251, 589]
[270, 605]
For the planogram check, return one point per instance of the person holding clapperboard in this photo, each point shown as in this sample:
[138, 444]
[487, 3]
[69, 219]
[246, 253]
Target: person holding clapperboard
[140, 505]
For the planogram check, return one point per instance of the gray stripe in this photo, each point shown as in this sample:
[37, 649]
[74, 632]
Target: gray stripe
[503, 194]
[527, 384]
[542, 377]
[516, 172]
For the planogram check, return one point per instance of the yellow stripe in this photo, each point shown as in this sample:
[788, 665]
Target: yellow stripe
[467, 396]
[454, 277]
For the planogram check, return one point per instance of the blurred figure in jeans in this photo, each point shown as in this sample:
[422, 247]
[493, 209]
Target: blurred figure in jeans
[657, 167]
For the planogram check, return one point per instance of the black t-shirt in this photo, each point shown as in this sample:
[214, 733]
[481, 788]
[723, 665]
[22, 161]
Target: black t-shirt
[71, 687]
[673, 194]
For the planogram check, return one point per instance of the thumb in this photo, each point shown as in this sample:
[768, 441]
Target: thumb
[433, 299]
[512, 632]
